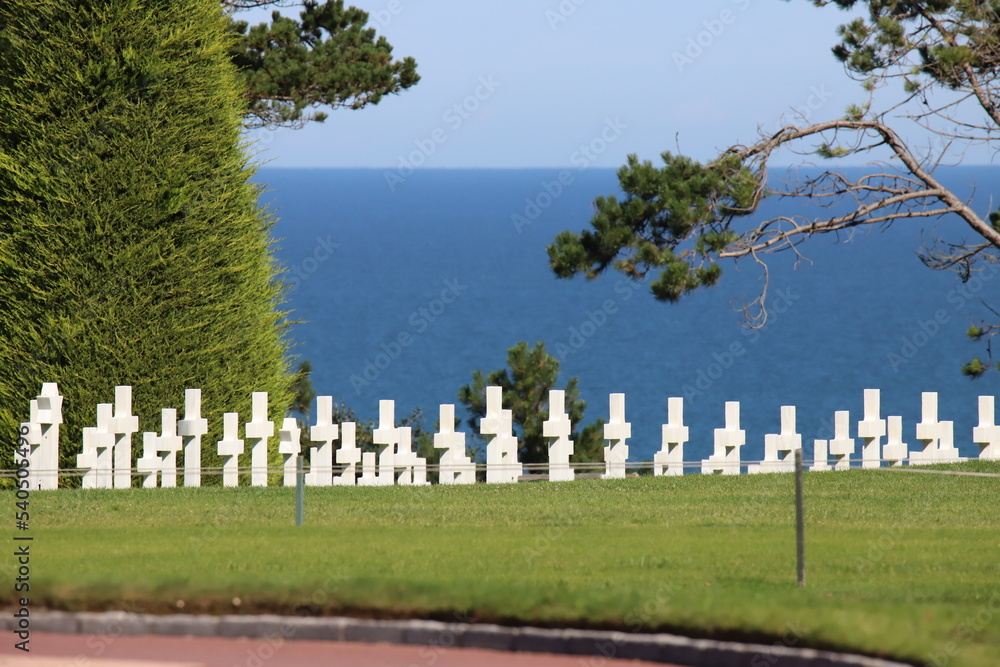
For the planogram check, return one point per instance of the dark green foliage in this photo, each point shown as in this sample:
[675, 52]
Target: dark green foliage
[132, 248]
[676, 218]
[304, 397]
[975, 368]
[954, 44]
[304, 394]
[962, 44]
[526, 384]
[327, 57]
[683, 219]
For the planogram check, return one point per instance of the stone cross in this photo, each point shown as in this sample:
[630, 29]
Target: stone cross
[501, 452]
[404, 459]
[230, 448]
[728, 441]
[929, 431]
[98, 449]
[670, 459]
[820, 462]
[258, 431]
[937, 437]
[779, 449]
[159, 453]
[455, 466]
[386, 434]
[948, 451]
[414, 468]
[895, 451]
[167, 445]
[289, 446]
[49, 417]
[842, 444]
[191, 428]
[311, 476]
[558, 426]
[324, 432]
[618, 431]
[123, 425]
[771, 461]
[86, 460]
[368, 476]
[148, 465]
[31, 431]
[348, 455]
[871, 429]
[987, 434]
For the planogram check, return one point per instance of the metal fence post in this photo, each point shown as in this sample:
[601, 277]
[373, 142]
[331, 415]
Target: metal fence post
[300, 484]
[800, 526]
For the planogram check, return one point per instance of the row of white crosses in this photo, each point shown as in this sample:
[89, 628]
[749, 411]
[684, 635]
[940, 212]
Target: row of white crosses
[937, 438]
[41, 432]
[107, 447]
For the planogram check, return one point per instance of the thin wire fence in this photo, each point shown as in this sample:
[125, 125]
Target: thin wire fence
[540, 470]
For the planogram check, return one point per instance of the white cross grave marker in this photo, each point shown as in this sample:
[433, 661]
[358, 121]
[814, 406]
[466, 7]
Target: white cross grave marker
[770, 462]
[31, 431]
[725, 459]
[895, 451]
[123, 425]
[310, 478]
[871, 429]
[455, 466]
[501, 452]
[987, 434]
[618, 431]
[670, 459]
[191, 428]
[779, 449]
[230, 448]
[842, 444]
[98, 449]
[148, 465]
[167, 446]
[86, 460]
[258, 431]
[159, 453]
[324, 432]
[929, 431]
[368, 476]
[948, 451]
[386, 434]
[414, 468]
[104, 441]
[49, 418]
[348, 455]
[820, 458]
[289, 446]
[558, 426]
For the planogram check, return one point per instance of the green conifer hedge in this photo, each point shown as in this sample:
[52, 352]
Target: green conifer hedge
[132, 247]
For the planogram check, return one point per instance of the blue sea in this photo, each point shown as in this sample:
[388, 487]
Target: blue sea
[402, 292]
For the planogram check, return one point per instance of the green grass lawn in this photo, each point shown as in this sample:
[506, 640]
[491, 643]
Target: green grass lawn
[898, 564]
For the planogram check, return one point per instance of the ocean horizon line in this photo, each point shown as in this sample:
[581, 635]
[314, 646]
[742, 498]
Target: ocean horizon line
[776, 168]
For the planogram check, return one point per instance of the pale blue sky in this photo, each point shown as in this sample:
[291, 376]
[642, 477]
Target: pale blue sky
[529, 83]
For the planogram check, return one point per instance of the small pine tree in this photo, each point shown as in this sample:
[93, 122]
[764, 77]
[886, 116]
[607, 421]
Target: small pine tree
[532, 373]
[422, 440]
[132, 247]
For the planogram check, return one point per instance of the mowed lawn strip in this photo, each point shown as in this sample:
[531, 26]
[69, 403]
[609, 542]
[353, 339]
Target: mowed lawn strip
[899, 564]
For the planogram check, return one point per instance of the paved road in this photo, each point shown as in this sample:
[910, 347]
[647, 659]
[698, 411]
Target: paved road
[83, 650]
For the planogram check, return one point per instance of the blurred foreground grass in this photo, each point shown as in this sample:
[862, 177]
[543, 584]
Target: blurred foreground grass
[899, 564]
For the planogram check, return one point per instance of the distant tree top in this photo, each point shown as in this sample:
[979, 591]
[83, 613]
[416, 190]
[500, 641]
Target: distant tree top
[328, 57]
